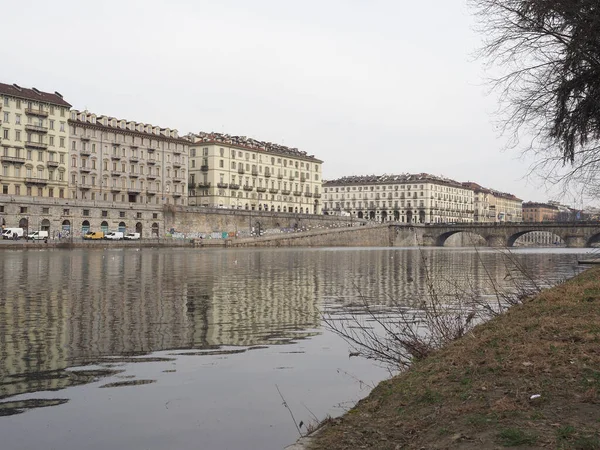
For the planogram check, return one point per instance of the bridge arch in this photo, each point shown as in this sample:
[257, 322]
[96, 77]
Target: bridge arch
[593, 239]
[550, 238]
[442, 238]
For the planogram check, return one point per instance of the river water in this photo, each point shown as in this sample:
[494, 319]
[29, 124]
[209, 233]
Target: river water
[194, 349]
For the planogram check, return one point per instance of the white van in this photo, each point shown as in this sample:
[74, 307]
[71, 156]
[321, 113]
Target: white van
[9, 233]
[38, 235]
[132, 236]
[114, 235]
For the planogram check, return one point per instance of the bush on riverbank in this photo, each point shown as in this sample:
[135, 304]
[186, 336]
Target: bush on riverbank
[477, 391]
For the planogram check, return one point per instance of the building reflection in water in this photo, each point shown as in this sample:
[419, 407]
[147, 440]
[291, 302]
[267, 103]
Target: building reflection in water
[61, 309]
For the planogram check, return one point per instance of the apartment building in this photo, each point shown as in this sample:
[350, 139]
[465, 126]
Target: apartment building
[494, 206]
[243, 173]
[33, 142]
[539, 212]
[409, 198]
[123, 161]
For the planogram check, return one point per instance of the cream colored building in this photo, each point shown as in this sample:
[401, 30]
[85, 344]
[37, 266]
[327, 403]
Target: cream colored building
[416, 198]
[494, 206]
[123, 161]
[33, 142]
[242, 173]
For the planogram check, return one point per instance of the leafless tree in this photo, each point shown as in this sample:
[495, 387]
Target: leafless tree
[548, 55]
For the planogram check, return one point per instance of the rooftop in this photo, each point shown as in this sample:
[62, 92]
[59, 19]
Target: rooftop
[14, 90]
[391, 178]
[248, 143]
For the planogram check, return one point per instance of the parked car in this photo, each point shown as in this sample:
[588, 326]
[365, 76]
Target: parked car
[94, 235]
[10, 233]
[114, 235]
[38, 235]
[132, 236]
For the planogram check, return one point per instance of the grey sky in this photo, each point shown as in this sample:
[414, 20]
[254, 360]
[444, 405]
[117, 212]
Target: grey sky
[370, 87]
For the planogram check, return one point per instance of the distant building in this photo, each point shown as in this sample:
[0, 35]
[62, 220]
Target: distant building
[495, 206]
[416, 198]
[243, 173]
[33, 142]
[123, 161]
[539, 212]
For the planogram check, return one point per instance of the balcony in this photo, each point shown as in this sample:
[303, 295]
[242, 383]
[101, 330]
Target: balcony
[280, 176]
[151, 150]
[207, 185]
[176, 194]
[317, 195]
[134, 191]
[292, 177]
[115, 189]
[261, 189]
[38, 145]
[302, 179]
[297, 193]
[151, 176]
[12, 160]
[220, 185]
[115, 157]
[177, 151]
[85, 169]
[85, 138]
[308, 194]
[134, 175]
[151, 191]
[134, 159]
[273, 191]
[248, 188]
[204, 168]
[115, 174]
[84, 186]
[254, 172]
[36, 128]
[51, 163]
[286, 192]
[177, 164]
[177, 180]
[36, 112]
[267, 174]
[234, 186]
[38, 181]
[241, 170]
[85, 152]
[151, 160]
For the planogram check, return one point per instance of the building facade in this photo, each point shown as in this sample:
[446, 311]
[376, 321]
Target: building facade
[33, 142]
[123, 161]
[416, 198]
[494, 206]
[242, 173]
[539, 212]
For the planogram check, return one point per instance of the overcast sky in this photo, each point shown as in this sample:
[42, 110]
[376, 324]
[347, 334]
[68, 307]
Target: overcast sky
[370, 87]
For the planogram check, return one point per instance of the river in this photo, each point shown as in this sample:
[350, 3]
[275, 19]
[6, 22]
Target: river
[190, 349]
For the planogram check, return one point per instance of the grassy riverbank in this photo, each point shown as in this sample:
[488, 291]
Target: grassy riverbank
[477, 392]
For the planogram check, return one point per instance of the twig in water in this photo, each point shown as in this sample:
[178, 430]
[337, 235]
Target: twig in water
[290, 410]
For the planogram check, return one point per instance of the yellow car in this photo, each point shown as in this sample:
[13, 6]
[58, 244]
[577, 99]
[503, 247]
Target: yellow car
[94, 235]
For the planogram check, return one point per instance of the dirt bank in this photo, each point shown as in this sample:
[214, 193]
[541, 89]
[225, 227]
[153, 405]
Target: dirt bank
[530, 378]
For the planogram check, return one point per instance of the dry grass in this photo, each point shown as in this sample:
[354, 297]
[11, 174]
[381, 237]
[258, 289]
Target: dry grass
[476, 392]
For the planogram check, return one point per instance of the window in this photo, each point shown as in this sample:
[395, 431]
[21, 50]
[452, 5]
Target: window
[17, 135]
[23, 209]
[193, 163]
[62, 142]
[155, 215]
[51, 141]
[62, 126]
[139, 215]
[18, 119]
[51, 124]
[86, 212]
[121, 214]
[5, 189]
[45, 210]
[6, 117]
[5, 133]
[6, 101]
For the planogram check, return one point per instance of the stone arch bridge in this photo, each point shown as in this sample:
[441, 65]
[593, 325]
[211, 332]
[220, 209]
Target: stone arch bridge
[573, 234]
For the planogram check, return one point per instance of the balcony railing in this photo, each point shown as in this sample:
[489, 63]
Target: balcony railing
[134, 175]
[36, 128]
[177, 180]
[241, 170]
[234, 186]
[280, 176]
[134, 159]
[85, 169]
[151, 160]
[51, 163]
[273, 191]
[261, 189]
[177, 164]
[151, 191]
[115, 157]
[85, 138]
[317, 195]
[255, 172]
[248, 188]
[115, 189]
[267, 174]
[308, 194]
[39, 145]
[40, 181]
[204, 168]
[36, 112]
[151, 149]
[286, 192]
[206, 185]
[84, 186]
[151, 176]
[297, 193]
[85, 152]
[221, 185]
[12, 160]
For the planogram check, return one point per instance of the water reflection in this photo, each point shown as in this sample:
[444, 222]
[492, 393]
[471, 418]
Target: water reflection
[61, 309]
